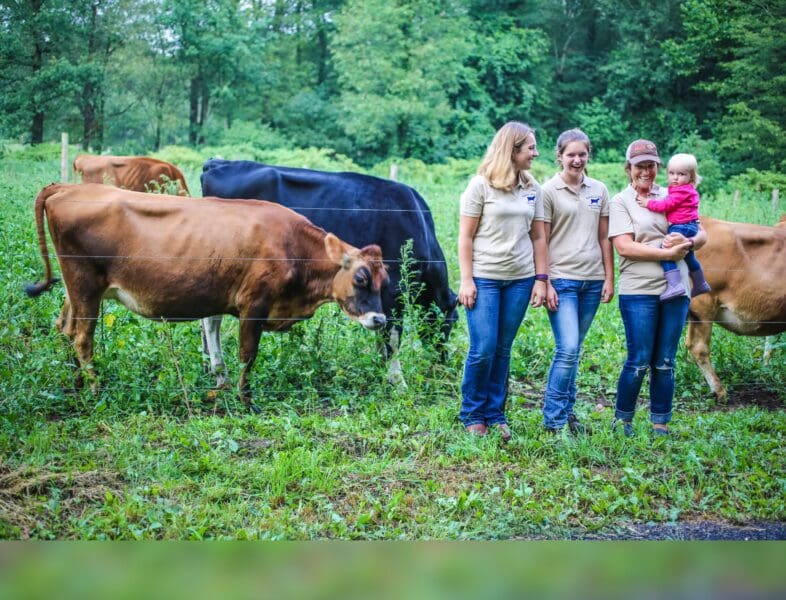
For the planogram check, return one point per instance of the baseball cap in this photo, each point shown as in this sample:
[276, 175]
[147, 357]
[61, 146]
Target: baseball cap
[640, 151]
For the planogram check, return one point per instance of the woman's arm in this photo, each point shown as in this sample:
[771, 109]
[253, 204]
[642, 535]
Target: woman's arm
[552, 298]
[468, 226]
[607, 254]
[540, 248]
[625, 246]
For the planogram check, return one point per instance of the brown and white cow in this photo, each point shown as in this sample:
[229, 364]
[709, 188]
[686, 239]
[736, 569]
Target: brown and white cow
[745, 265]
[176, 259]
[135, 173]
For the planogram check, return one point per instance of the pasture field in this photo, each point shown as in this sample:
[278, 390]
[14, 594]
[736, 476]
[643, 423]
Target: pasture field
[338, 453]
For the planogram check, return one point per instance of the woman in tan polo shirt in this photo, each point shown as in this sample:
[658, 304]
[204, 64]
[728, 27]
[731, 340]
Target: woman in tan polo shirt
[652, 327]
[581, 268]
[503, 260]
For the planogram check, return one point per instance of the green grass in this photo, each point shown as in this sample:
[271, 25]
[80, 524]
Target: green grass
[336, 452]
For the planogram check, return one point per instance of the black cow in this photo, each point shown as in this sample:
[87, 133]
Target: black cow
[361, 210]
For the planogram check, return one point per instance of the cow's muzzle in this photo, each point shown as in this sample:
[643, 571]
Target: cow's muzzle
[372, 320]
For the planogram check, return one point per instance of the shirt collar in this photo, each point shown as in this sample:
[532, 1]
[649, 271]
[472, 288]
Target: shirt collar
[560, 183]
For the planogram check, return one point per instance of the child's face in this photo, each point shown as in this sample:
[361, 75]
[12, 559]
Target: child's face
[679, 175]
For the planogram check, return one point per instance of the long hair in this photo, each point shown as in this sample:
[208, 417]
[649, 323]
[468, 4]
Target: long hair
[497, 165]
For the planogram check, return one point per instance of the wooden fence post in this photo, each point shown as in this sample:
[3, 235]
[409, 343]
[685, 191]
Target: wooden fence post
[394, 172]
[64, 157]
[736, 200]
[775, 195]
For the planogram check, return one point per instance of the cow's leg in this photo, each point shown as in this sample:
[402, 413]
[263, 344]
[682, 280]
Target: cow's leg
[63, 323]
[698, 343]
[84, 316]
[250, 330]
[211, 345]
[769, 346]
[392, 344]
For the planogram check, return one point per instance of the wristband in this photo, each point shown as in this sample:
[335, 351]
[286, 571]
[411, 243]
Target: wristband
[541, 277]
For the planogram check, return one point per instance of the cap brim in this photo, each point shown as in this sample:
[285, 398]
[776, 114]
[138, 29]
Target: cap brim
[643, 158]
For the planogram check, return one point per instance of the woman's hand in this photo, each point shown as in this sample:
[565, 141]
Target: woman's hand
[552, 298]
[538, 296]
[676, 251]
[674, 239]
[607, 292]
[467, 294]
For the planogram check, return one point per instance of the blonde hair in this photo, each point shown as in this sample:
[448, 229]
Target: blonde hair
[687, 162]
[497, 165]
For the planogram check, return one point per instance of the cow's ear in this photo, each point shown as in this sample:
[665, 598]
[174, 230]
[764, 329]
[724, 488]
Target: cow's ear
[335, 251]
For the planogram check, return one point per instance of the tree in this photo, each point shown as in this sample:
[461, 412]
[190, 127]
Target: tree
[102, 27]
[734, 52]
[396, 65]
[214, 48]
[34, 74]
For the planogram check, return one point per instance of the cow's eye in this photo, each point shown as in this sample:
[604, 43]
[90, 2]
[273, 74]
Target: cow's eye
[361, 278]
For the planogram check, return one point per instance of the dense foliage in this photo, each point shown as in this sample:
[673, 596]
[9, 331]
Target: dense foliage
[374, 79]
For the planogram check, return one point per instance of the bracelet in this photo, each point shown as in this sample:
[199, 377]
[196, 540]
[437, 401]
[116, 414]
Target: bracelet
[692, 242]
[541, 277]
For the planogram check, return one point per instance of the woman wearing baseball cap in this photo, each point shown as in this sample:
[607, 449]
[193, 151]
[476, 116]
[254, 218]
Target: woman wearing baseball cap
[652, 327]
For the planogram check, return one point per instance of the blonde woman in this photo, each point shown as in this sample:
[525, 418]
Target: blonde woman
[503, 259]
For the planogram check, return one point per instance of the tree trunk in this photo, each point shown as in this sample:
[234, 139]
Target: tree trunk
[98, 125]
[203, 112]
[88, 116]
[193, 125]
[37, 125]
[37, 128]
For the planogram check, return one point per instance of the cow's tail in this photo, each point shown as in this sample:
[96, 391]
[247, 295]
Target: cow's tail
[36, 289]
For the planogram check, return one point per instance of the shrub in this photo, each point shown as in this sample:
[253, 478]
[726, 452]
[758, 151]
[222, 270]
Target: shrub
[753, 180]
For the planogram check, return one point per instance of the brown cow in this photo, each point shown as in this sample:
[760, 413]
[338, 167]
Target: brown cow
[745, 265]
[135, 173]
[175, 259]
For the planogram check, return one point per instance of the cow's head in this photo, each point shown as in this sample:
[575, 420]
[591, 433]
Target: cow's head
[357, 285]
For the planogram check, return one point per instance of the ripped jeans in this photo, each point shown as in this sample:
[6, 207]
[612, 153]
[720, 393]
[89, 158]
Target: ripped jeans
[652, 333]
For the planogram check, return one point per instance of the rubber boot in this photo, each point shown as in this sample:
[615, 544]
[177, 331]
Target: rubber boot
[700, 285]
[674, 286]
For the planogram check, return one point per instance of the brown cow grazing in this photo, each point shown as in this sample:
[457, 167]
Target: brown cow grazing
[175, 259]
[745, 265]
[135, 173]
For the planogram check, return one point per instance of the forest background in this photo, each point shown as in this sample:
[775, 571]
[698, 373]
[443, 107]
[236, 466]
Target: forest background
[378, 79]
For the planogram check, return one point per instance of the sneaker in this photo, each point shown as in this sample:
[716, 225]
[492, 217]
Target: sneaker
[576, 427]
[663, 431]
[625, 426]
[478, 429]
[504, 431]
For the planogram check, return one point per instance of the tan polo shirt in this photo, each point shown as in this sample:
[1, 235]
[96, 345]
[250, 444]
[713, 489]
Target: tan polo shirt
[574, 251]
[647, 227]
[502, 248]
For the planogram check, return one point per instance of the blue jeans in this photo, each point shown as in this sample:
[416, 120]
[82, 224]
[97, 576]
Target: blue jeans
[689, 230]
[578, 303]
[652, 334]
[493, 323]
